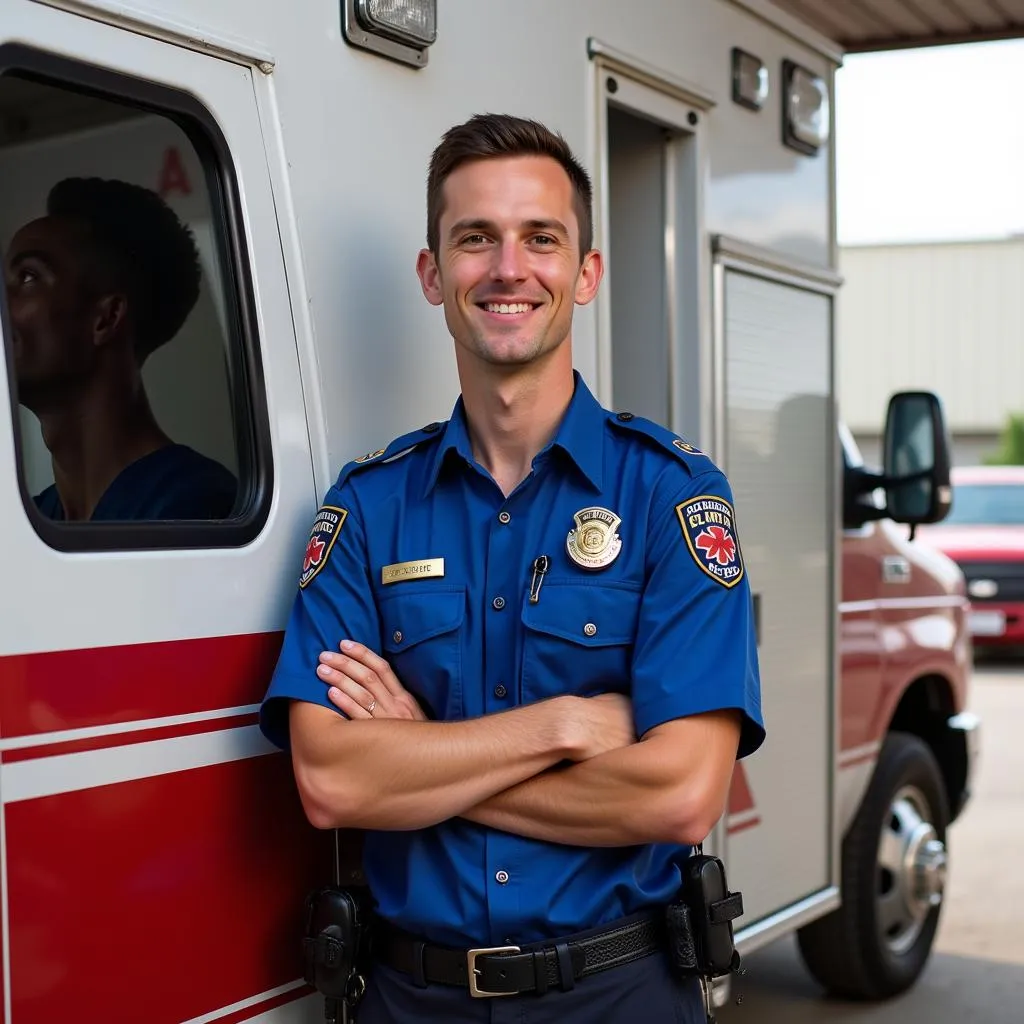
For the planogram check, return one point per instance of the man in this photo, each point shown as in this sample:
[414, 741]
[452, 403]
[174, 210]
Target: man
[547, 666]
[93, 288]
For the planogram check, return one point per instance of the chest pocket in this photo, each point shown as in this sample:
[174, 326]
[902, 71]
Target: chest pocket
[579, 639]
[422, 641]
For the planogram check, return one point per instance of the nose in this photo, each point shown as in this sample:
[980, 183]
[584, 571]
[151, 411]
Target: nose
[510, 262]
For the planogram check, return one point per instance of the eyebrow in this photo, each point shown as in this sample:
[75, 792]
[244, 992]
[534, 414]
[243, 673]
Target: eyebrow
[486, 225]
[32, 254]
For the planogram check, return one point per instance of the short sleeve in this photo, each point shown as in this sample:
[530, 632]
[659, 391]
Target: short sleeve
[334, 602]
[696, 646]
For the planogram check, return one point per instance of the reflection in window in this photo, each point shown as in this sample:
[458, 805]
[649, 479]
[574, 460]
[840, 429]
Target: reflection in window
[122, 350]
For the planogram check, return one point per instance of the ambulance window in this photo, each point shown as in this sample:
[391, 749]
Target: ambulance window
[127, 322]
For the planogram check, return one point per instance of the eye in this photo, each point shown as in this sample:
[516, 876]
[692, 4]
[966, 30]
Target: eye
[26, 275]
[474, 239]
[545, 240]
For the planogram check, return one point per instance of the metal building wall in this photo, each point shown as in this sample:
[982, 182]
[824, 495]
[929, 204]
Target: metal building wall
[948, 317]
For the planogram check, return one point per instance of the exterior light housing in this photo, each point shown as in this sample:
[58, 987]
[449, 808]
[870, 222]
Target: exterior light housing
[805, 110]
[749, 80]
[400, 29]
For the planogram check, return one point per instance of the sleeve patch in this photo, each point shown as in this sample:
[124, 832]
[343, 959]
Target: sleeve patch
[709, 526]
[326, 527]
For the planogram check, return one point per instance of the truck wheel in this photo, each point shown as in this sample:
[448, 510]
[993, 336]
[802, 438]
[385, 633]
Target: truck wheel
[893, 878]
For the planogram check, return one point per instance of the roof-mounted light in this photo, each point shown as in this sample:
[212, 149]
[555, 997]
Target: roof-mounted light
[805, 116]
[400, 29]
[749, 79]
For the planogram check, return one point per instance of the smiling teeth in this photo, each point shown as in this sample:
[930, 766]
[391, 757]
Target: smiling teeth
[508, 307]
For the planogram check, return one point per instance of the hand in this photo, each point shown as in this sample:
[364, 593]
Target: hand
[605, 723]
[364, 686]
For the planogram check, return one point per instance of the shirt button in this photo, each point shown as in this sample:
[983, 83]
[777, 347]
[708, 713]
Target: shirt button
[504, 518]
[501, 877]
[397, 636]
[500, 691]
[498, 603]
[590, 629]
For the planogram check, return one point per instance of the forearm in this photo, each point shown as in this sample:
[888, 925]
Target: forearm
[643, 793]
[395, 774]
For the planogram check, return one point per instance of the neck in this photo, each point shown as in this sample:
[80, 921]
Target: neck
[512, 415]
[93, 436]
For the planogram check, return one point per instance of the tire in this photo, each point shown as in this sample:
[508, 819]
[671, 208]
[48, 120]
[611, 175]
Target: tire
[893, 876]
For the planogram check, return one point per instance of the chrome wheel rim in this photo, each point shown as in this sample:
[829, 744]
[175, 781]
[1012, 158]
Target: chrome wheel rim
[911, 875]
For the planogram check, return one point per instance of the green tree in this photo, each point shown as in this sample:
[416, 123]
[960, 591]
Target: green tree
[1011, 444]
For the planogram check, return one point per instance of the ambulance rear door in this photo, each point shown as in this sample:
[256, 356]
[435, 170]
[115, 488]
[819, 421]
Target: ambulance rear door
[155, 856]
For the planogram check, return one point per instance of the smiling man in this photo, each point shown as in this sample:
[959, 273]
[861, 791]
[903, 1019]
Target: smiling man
[547, 667]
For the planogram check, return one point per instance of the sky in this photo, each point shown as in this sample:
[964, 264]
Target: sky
[930, 144]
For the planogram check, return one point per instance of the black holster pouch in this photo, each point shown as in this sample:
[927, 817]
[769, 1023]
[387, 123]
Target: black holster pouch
[701, 942]
[334, 947]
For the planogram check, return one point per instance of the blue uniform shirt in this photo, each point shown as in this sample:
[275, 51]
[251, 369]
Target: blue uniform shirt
[173, 482]
[668, 620]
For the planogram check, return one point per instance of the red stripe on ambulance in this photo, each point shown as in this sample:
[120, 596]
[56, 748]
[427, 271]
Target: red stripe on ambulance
[193, 880]
[60, 690]
[742, 811]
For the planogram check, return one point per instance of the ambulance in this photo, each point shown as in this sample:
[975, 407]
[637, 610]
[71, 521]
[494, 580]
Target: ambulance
[154, 856]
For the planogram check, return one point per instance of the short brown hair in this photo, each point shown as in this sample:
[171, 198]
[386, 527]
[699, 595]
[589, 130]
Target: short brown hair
[486, 136]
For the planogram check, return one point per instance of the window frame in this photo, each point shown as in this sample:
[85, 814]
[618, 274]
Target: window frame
[247, 382]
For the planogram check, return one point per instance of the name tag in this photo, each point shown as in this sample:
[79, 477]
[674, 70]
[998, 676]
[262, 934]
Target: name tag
[421, 570]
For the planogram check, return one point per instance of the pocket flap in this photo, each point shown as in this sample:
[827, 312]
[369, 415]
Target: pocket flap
[410, 618]
[591, 614]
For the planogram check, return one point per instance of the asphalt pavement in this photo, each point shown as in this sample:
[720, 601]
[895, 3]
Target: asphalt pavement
[976, 973]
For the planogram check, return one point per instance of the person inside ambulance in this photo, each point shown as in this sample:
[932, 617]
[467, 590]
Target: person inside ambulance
[93, 289]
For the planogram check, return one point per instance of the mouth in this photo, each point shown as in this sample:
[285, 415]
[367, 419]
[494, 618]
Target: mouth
[508, 311]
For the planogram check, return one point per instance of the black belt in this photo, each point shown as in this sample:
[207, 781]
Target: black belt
[508, 970]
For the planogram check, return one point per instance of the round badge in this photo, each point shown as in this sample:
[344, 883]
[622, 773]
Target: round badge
[594, 544]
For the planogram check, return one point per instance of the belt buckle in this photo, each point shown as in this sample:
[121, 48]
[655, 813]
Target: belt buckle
[472, 972]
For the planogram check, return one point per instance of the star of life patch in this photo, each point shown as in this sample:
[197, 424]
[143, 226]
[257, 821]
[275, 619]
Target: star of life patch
[326, 527]
[709, 526]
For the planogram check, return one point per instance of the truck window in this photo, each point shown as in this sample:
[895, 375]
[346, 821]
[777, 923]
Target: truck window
[131, 370]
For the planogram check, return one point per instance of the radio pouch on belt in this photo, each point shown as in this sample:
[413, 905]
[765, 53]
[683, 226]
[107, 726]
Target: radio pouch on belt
[700, 922]
[331, 949]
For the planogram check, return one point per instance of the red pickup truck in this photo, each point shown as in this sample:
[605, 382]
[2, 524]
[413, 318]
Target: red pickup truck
[907, 744]
[984, 534]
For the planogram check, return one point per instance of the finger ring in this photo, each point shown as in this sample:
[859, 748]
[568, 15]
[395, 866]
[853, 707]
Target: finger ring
[369, 710]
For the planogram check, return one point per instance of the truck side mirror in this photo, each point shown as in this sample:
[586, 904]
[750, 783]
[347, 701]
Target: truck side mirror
[916, 459]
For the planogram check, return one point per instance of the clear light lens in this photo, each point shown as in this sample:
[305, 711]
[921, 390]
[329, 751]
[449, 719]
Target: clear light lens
[983, 588]
[750, 78]
[807, 105]
[413, 21]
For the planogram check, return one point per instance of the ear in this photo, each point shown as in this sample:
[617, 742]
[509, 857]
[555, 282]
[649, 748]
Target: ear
[110, 318]
[589, 278]
[430, 277]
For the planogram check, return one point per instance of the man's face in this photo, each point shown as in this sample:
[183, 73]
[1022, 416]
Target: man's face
[51, 309]
[508, 270]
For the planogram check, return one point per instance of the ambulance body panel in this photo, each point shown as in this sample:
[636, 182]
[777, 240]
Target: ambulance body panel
[141, 807]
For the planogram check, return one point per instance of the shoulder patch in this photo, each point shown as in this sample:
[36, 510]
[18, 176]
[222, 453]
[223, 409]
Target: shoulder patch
[709, 527]
[688, 453]
[401, 445]
[326, 527]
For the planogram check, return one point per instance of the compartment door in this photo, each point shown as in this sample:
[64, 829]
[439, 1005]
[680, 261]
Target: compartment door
[775, 351]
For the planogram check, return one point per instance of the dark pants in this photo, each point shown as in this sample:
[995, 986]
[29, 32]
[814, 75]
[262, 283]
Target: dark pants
[643, 991]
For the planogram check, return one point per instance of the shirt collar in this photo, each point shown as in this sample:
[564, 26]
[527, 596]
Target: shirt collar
[580, 435]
